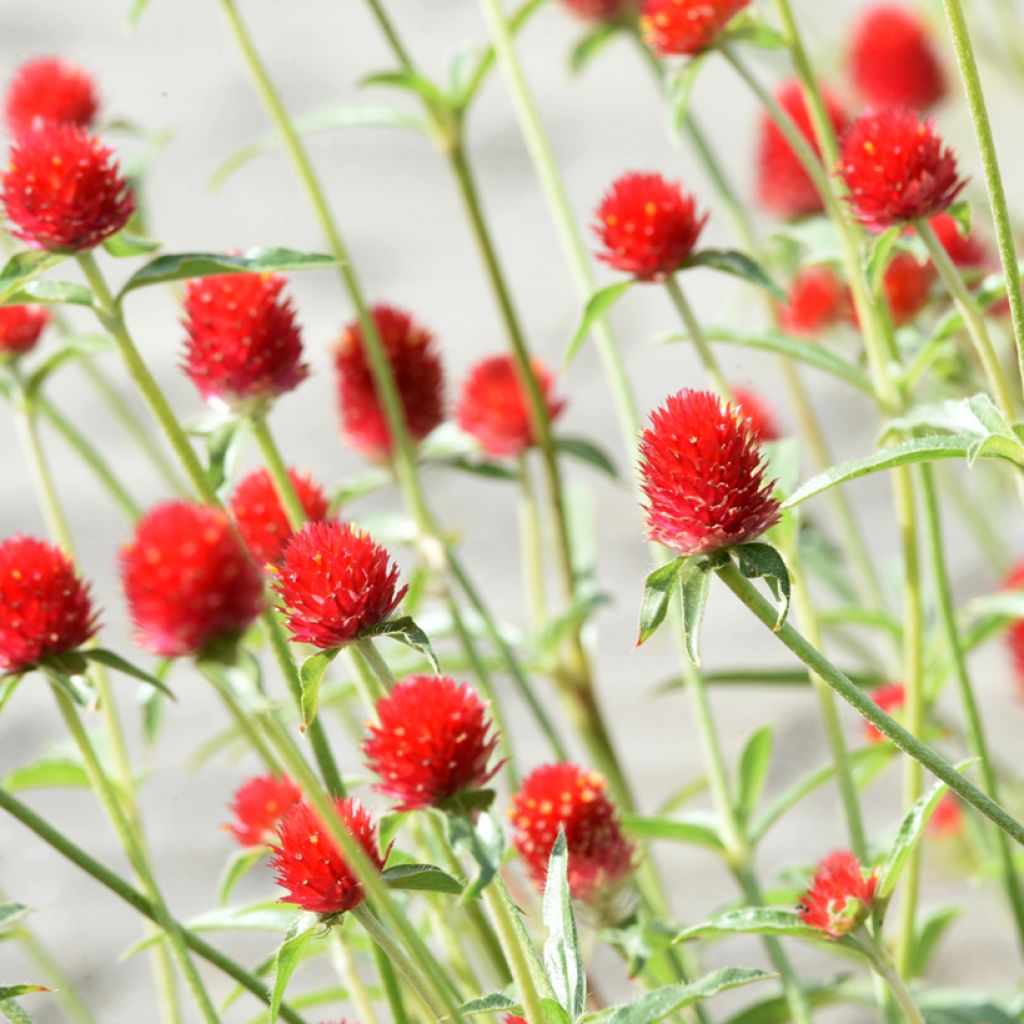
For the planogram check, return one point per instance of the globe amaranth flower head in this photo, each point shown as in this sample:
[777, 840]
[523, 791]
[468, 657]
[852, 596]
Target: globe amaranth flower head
[433, 741]
[686, 27]
[840, 897]
[570, 797]
[47, 607]
[309, 864]
[965, 249]
[20, 329]
[648, 226]
[758, 414]
[600, 10]
[261, 518]
[703, 476]
[49, 90]
[259, 804]
[897, 169]
[63, 190]
[893, 59]
[890, 698]
[907, 285]
[419, 377]
[335, 583]
[494, 408]
[1015, 633]
[244, 347]
[817, 300]
[188, 579]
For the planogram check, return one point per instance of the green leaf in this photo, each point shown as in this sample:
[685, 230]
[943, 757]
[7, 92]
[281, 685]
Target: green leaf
[119, 664]
[753, 772]
[597, 305]
[695, 586]
[573, 618]
[976, 416]
[224, 447]
[135, 12]
[738, 264]
[751, 921]
[407, 80]
[47, 773]
[287, 959]
[241, 863]
[764, 37]
[954, 1006]
[692, 829]
[11, 914]
[421, 878]
[311, 674]
[658, 589]
[493, 1002]
[477, 466]
[13, 991]
[8, 684]
[50, 292]
[933, 927]
[484, 841]
[586, 451]
[124, 245]
[591, 45]
[22, 267]
[73, 346]
[880, 255]
[563, 960]
[680, 88]
[762, 561]
[14, 1013]
[777, 1010]
[359, 486]
[405, 631]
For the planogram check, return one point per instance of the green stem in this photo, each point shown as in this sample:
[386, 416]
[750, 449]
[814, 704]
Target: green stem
[348, 968]
[887, 971]
[392, 988]
[242, 720]
[380, 668]
[532, 546]
[278, 471]
[696, 334]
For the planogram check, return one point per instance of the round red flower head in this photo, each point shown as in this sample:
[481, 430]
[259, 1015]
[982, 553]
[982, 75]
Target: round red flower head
[309, 864]
[335, 582]
[686, 27]
[63, 190]
[261, 518]
[493, 407]
[244, 346]
[840, 897]
[703, 477]
[907, 285]
[893, 61]
[757, 413]
[188, 579]
[1015, 633]
[419, 377]
[967, 251]
[570, 797]
[897, 169]
[49, 91]
[890, 698]
[948, 817]
[648, 226]
[600, 10]
[259, 804]
[20, 328]
[47, 607]
[433, 741]
[817, 300]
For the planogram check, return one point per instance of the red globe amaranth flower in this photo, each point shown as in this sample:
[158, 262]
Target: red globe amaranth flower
[758, 414]
[968, 252]
[948, 817]
[600, 10]
[47, 607]
[335, 582]
[686, 27]
[907, 285]
[783, 186]
[840, 897]
[310, 865]
[1015, 633]
[261, 518]
[188, 579]
[818, 299]
[702, 475]
[648, 226]
[49, 91]
[569, 796]
[259, 804]
[418, 373]
[20, 328]
[63, 190]
[893, 61]
[890, 698]
[243, 342]
[432, 742]
[897, 169]
[494, 409]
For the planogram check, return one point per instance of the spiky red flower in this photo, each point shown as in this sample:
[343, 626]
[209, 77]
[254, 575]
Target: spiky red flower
[648, 226]
[893, 61]
[49, 91]
[702, 475]
[783, 186]
[419, 378]
[907, 285]
[493, 407]
[897, 169]
[20, 328]
[243, 343]
[432, 742]
[967, 251]
[1015, 633]
[890, 698]
[188, 579]
[840, 897]
[817, 300]
[310, 865]
[600, 10]
[335, 582]
[261, 518]
[569, 796]
[47, 607]
[63, 190]
[259, 804]
[758, 413]
[948, 817]
[686, 27]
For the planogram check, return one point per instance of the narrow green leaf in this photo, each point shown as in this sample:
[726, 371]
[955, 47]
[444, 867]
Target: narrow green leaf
[695, 586]
[407, 80]
[764, 37]
[680, 88]
[493, 1002]
[692, 829]
[762, 561]
[122, 665]
[135, 12]
[124, 245]
[287, 959]
[47, 773]
[658, 589]
[421, 878]
[738, 264]
[484, 841]
[476, 466]
[776, 1010]
[359, 486]
[975, 417]
[751, 921]
[880, 256]
[591, 45]
[11, 914]
[225, 444]
[13, 991]
[241, 863]
[311, 674]
[753, 771]
[586, 451]
[562, 957]
[14, 1013]
[597, 305]
[22, 267]
[405, 631]
[933, 926]
[8, 684]
[50, 292]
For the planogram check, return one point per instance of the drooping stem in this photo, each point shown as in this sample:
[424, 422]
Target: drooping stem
[696, 334]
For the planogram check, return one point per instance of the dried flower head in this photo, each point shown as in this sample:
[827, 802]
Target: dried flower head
[686, 27]
[20, 328]
[49, 90]
[840, 897]
[259, 804]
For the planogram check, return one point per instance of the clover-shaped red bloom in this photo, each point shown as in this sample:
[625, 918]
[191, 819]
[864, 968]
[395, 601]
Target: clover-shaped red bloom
[686, 27]
[1015, 633]
[783, 186]
[63, 190]
[817, 300]
[261, 518]
[703, 476]
[600, 10]
[335, 583]
[49, 91]
[840, 897]
[433, 741]
[188, 579]
[893, 61]
[46, 606]
[419, 378]
[897, 168]
[907, 285]
[967, 251]
[758, 414]
[259, 804]
[494, 409]
[309, 864]
[890, 698]
[570, 797]
[20, 328]
[648, 226]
